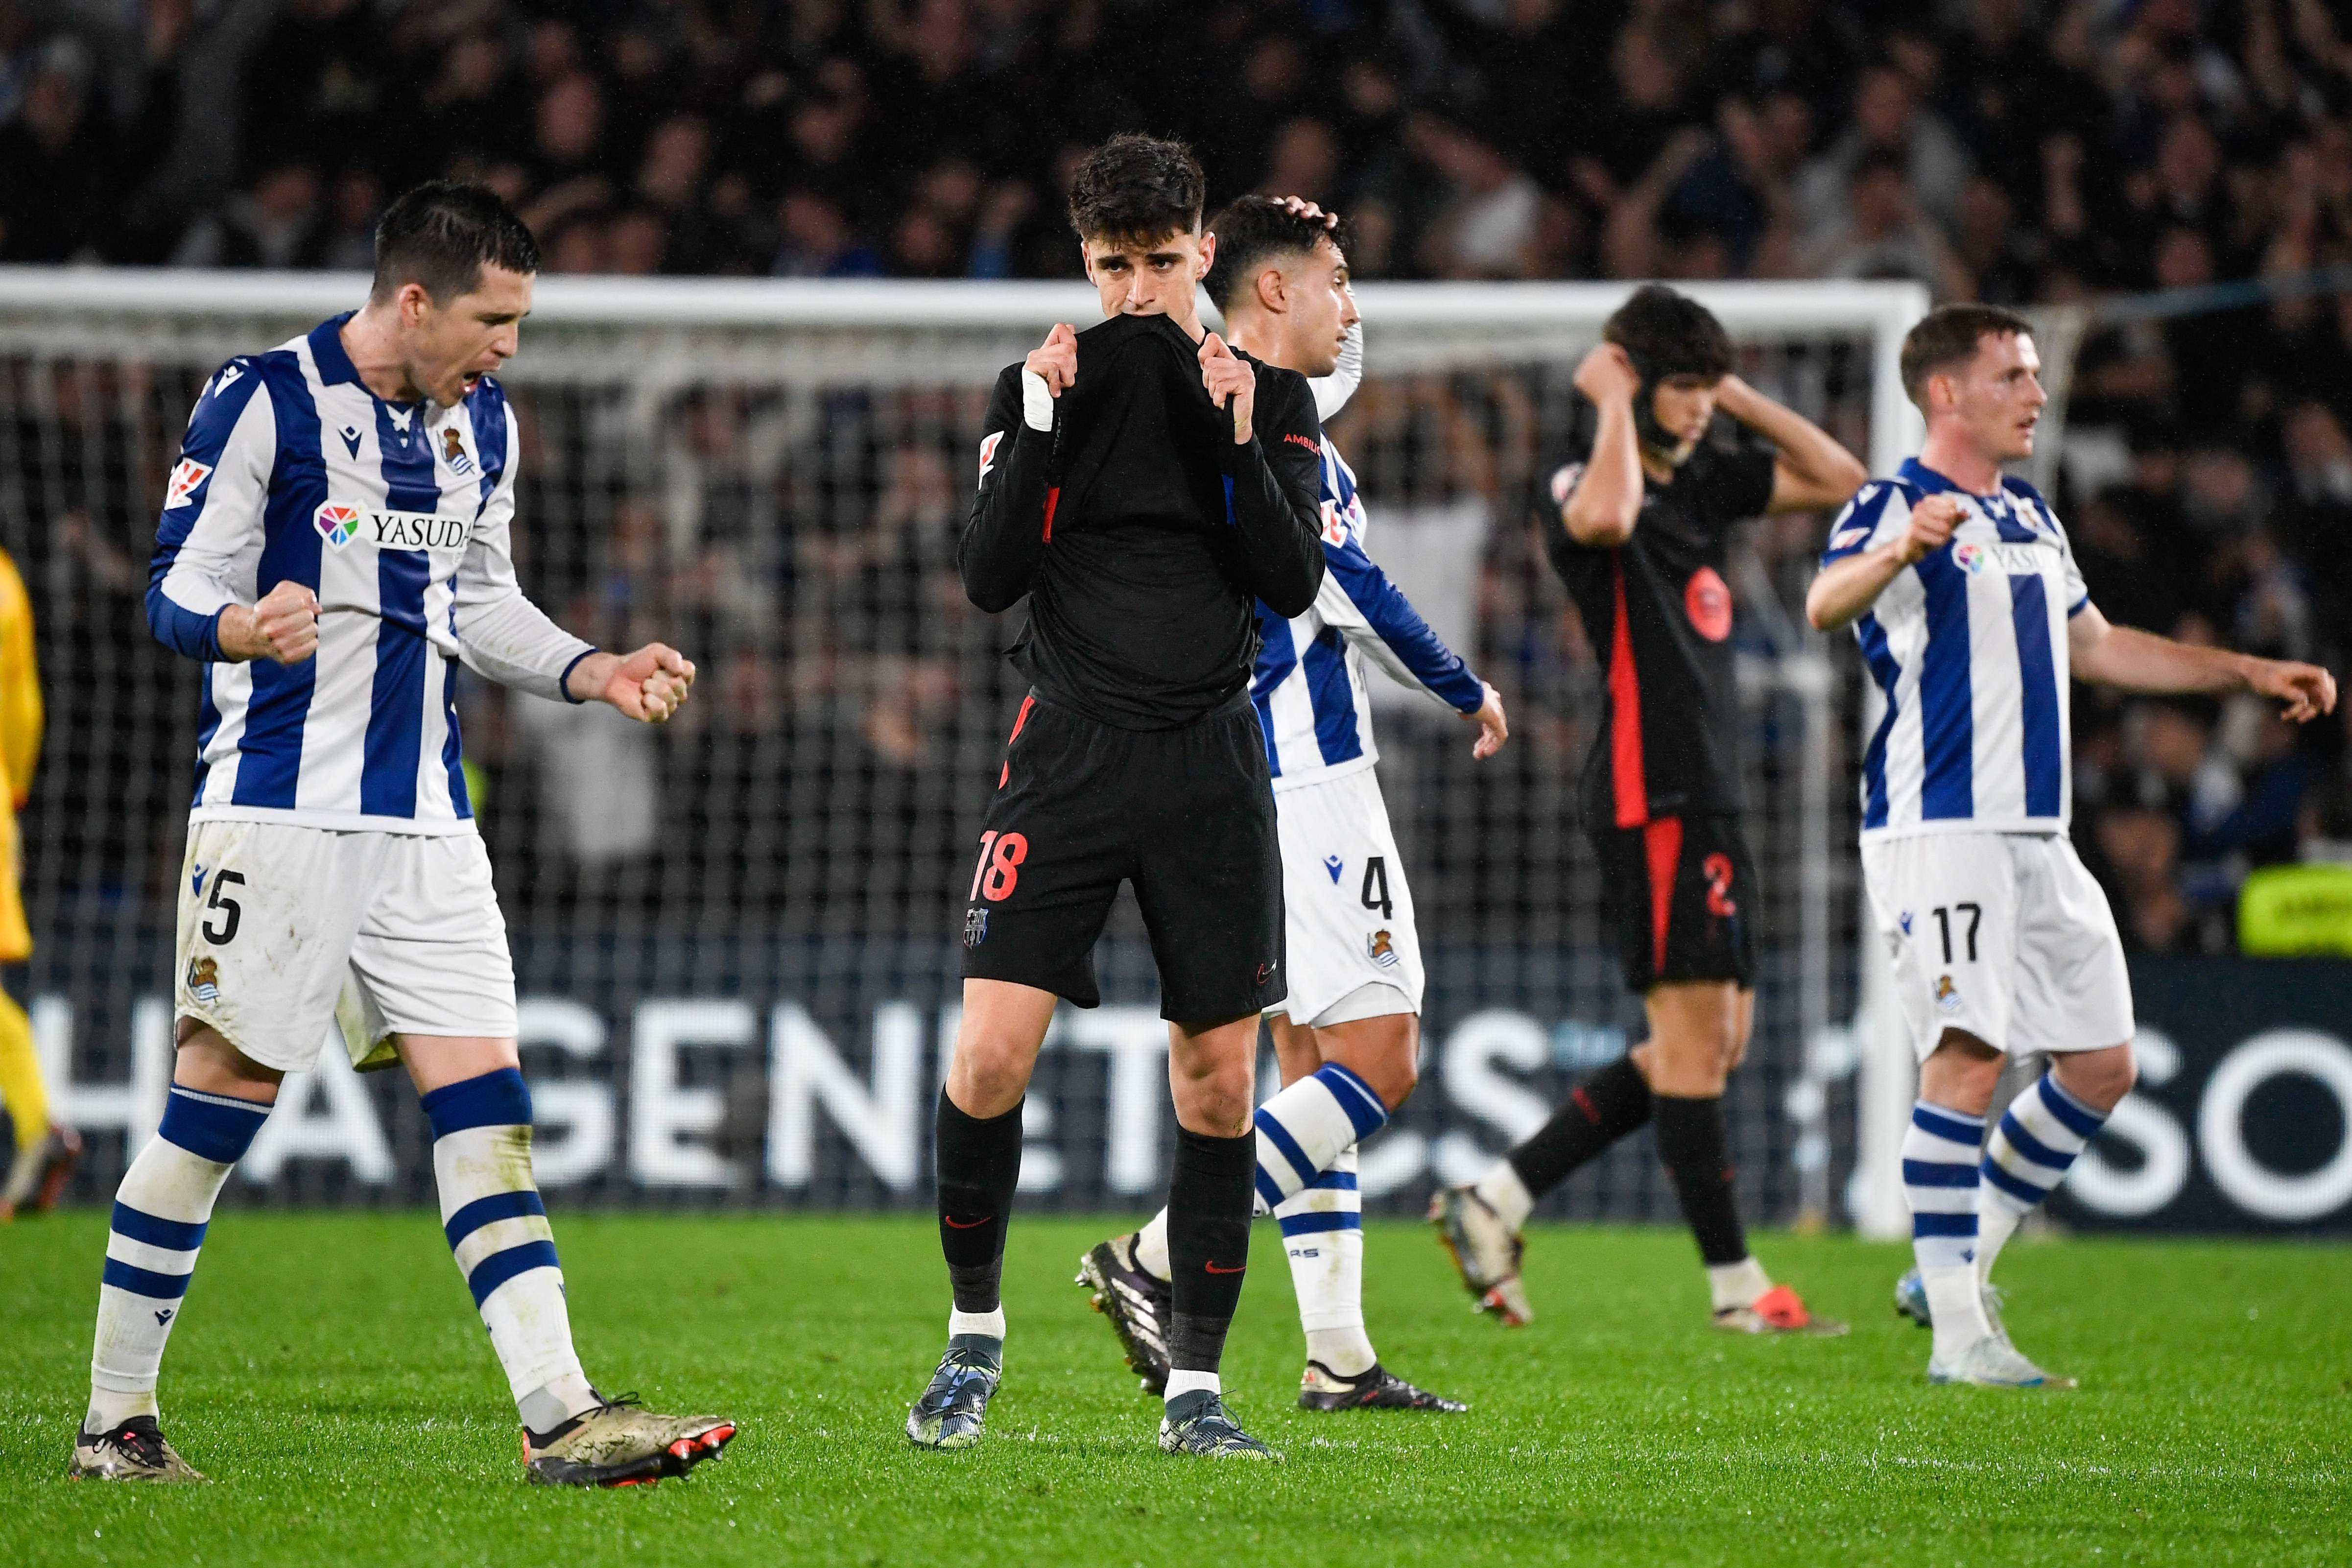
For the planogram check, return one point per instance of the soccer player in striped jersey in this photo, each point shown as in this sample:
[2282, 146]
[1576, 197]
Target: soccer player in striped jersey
[1645, 506]
[333, 541]
[1347, 1038]
[1963, 593]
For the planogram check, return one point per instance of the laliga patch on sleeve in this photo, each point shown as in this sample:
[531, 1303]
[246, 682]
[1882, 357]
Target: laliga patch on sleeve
[988, 453]
[183, 484]
[1335, 532]
[1848, 537]
[1563, 482]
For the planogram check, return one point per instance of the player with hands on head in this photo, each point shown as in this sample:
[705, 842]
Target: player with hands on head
[1963, 593]
[1642, 509]
[1348, 1037]
[1145, 487]
[334, 540]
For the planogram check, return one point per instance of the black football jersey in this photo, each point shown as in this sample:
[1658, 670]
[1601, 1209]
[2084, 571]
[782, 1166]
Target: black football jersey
[1659, 613]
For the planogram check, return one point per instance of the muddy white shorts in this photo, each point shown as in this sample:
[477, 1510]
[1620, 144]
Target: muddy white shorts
[1348, 932]
[2005, 935]
[279, 923]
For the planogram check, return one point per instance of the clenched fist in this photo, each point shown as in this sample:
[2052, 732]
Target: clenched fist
[1932, 521]
[1230, 383]
[648, 685]
[282, 628]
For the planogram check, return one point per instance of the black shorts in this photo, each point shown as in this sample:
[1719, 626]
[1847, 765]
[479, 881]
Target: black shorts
[1681, 895]
[1186, 815]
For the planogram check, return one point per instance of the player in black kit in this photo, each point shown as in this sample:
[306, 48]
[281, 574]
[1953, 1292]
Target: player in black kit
[1643, 503]
[1143, 485]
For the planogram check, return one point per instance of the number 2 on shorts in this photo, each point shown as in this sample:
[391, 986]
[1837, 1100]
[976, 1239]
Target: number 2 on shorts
[994, 877]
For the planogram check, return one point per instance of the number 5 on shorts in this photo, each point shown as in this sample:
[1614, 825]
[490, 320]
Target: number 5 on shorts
[994, 877]
[230, 911]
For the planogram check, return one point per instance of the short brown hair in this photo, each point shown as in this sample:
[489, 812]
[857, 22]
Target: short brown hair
[1947, 336]
[1137, 189]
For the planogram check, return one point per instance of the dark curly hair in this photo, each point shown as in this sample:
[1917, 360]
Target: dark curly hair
[1137, 189]
[442, 234]
[1667, 335]
[1252, 231]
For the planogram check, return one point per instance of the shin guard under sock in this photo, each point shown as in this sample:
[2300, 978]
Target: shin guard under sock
[1599, 1112]
[161, 1211]
[979, 1166]
[1691, 1144]
[1209, 1200]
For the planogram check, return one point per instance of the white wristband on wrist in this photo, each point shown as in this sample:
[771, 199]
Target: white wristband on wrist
[1037, 402]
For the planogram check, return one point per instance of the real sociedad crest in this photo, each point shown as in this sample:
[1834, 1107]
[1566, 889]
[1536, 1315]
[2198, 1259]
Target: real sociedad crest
[453, 450]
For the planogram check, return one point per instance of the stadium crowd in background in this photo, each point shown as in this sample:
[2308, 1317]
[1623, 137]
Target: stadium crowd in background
[2016, 151]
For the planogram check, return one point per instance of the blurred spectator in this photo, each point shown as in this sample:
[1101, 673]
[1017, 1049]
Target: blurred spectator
[276, 223]
[1891, 129]
[348, 241]
[312, 87]
[57, 164]
[1883, 234]
[1489, 223]
[818, 241]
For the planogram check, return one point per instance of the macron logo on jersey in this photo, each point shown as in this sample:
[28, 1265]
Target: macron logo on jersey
[185, 479]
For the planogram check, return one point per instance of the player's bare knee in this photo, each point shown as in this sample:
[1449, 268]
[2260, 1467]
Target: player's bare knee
[1960, 1073]
[208, 1062]
[987, 1078]
[2098, 1078]
[1216, 1104]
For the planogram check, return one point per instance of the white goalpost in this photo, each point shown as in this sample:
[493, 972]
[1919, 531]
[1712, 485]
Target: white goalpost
[775, 468]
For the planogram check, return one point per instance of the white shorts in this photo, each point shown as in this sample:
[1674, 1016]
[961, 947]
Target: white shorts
[2002, 934]
[1347, 913]
[279, 922]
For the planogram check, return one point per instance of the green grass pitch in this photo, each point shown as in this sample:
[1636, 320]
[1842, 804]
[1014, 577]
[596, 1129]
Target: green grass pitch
[333, 1379]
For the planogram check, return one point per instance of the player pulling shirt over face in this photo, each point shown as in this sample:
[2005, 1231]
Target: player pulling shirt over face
[1348, 1035]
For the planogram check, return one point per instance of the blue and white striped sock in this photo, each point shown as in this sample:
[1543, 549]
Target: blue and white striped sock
[498, 1230]
[1323, 1231]
[1301, 1130]
[1940, 1183]
[2031, 1150]
[161, 1211]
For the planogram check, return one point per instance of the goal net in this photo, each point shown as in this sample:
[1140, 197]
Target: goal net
[735, 935]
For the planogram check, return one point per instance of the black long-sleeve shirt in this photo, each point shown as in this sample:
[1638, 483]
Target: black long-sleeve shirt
[1141, 532]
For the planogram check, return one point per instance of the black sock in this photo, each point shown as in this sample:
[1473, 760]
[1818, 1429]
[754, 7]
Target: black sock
[1599, 1110]
[1209, 1200]
[1691, 1142]
[978, 1163]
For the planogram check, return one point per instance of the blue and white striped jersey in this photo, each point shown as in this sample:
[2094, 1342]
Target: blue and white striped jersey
[397, 516]
[1308, 684]
[1968, 647]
